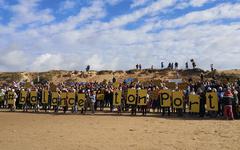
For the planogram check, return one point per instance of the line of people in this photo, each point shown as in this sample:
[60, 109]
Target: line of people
[100, 96]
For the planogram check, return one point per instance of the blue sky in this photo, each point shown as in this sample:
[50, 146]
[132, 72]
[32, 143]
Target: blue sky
[40, 35]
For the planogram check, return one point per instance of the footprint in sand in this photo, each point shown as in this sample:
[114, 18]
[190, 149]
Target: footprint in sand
[132, 130]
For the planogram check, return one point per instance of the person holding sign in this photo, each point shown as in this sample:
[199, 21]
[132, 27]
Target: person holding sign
[81, 99]
[142, 100]
[202, 95]
[45, 99]
[177, 101]
[165, 101]
[212, 102]
[23, 98]
[63, 100]
[26, 105]
[117, 100]
[131, 100]
[71, 96]
[100, 100]
[34, 99]
[11, 97]
[54, 100]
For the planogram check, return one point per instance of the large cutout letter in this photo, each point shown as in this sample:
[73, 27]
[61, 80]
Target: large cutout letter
[23, 97]
[194, 102]
[33, 97]
[117, 96]
[54, 99]
[71, 99]
[45, 97]
[63, 100]
[142, 97]
[212, 101]
[178, 99]
[81, 101]
[131, 96]
[10, 97]
[165, 98]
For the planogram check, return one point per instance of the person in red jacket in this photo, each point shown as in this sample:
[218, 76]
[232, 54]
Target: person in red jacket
[227, 101]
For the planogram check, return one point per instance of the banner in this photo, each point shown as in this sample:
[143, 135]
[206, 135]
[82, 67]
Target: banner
[212, 101]
[63, 99]
[11, 97]
[117, 97]
[54, 101]
[194, 102]
[33, 97]
[100, 97]
[45, 97]
[71, 99]
[81, 100]
[142, 97]
[177, 99]
[165, 98]
[23, 97]
[131, 96]
[177, 81]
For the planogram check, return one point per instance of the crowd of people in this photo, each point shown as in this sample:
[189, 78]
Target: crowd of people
[99, 97]
[174, 65]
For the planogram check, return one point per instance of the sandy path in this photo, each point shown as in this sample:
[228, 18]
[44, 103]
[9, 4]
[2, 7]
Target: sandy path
[28, 131]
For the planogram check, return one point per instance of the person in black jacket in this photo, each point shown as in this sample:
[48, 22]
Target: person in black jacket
[201, 93]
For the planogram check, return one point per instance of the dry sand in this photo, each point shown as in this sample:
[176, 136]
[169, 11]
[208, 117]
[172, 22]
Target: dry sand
[30, 131]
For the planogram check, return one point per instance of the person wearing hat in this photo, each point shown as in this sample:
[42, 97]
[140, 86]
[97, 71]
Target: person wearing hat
[227, 101]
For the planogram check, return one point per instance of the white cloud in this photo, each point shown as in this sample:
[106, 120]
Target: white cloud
[86, 14]
[182, 4]
[25, 12]
[154, 7]
[13, 60]
[223, 11]
[47, 61]
[84, 39]
[95, 61]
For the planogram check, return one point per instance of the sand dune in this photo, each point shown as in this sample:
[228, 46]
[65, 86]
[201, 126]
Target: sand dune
[28, 131]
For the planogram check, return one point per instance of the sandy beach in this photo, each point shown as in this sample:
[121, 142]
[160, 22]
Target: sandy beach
[27, 131]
